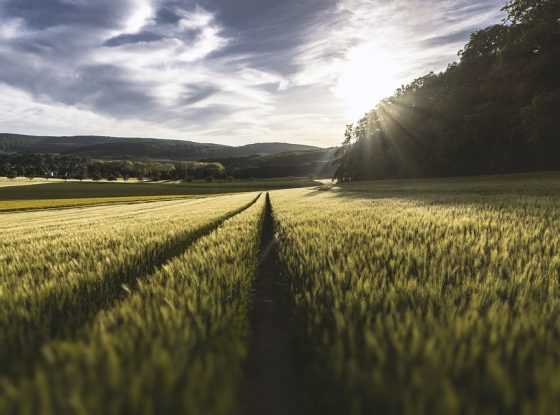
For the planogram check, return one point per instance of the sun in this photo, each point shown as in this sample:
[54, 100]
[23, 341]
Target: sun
[369, 74]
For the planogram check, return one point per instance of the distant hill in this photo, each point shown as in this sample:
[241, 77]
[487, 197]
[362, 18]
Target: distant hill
[270, 149]
[117, 148]
[315, 163]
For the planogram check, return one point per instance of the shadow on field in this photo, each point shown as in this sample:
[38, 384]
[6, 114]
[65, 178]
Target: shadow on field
[78, 190]
[545, 184]
[526, 191]
[272, 384]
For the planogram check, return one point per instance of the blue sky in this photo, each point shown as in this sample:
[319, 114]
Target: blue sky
[222, 71]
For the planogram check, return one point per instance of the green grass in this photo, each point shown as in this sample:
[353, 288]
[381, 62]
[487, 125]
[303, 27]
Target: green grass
[68, 194]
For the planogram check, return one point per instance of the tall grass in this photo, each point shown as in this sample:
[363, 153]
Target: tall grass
[430, 305]
[173, 345]
[58, 269]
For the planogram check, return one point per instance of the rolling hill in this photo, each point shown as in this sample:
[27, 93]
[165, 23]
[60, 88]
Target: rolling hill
[315, 163]
[112, 148]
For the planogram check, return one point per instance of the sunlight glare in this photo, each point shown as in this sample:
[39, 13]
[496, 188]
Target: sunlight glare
[369, 74]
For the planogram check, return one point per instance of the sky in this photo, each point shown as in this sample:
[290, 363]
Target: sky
[221, 71]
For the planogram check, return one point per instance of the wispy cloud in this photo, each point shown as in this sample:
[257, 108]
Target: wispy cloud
[218, 70]
[365, 49]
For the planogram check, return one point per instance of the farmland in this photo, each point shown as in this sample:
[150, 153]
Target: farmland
[437, 301]
[182, 322]
[25, 194]
[431, 296]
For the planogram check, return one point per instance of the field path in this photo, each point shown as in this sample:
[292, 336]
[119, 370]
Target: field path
[272, 383]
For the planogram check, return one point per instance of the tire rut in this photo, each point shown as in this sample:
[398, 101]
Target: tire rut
[272, 384]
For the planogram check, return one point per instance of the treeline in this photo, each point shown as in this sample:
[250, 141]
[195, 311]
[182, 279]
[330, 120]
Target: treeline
[72, 167]
[310, 163]
[494, 111]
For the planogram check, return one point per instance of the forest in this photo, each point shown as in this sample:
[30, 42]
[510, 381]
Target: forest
[494, 111]
[76, 167]
[309, 163]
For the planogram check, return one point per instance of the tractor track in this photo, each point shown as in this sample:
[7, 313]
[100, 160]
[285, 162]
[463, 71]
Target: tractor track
[272, 382]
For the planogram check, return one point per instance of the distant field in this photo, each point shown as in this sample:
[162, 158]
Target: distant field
[24, 181]
[529, 183]
[36, 194]
[33, 204]
[21, 181]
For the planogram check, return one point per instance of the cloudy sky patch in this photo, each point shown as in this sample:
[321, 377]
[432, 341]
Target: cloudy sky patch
[222, 71]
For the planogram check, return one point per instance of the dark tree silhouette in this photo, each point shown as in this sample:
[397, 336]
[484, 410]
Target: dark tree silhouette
[72, 167]
[494, 111]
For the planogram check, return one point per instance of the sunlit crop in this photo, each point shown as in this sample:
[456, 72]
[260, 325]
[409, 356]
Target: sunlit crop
[402, 297]
[59, 268]
[175, 344]
[426, 303]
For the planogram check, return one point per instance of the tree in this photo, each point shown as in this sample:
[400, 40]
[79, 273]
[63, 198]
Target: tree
[491, 112]
[531, 11]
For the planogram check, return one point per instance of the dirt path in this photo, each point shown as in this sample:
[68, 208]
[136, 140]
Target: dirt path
[272, 384]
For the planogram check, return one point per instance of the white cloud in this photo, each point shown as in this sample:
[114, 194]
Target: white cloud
[367, 49]
[142, 12]
[22, 113]
[197, 19]
[194, 78]
[11, 28]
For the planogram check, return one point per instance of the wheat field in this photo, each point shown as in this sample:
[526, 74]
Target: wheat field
[444, 300]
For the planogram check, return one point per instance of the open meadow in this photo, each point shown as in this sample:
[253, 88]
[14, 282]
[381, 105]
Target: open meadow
[405, 297]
